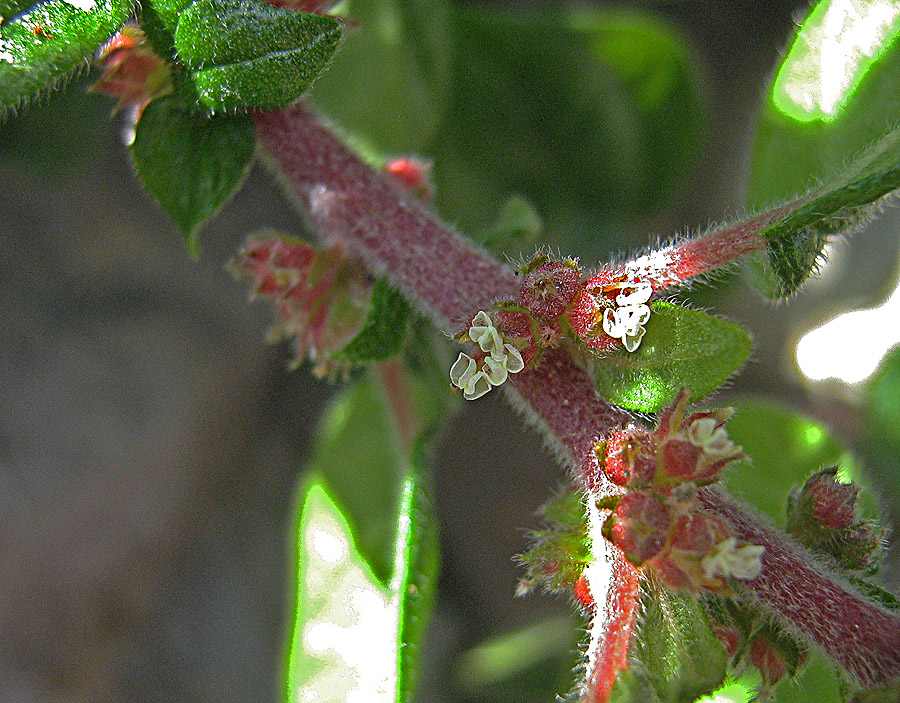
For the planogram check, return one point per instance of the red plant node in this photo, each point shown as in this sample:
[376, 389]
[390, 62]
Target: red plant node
[679, 459]
[699, 533]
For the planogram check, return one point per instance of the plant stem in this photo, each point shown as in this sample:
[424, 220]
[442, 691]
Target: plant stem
[451, 279]
[862, 636]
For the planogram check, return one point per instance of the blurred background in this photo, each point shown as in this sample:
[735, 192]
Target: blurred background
[150, 440]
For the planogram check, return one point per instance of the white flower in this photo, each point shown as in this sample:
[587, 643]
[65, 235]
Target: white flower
[727, 559]
[484, 334]
[627, 321]
[514, 362]
[477, 378]
[495, 370]
[713, 440]
[466, 375]
[627, 324]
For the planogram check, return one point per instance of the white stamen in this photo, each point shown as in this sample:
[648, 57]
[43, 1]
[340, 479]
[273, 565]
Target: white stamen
[477, 378]
[713, 440]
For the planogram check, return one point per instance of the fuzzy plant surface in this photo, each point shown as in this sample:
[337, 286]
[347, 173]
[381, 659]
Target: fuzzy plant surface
[684, 591]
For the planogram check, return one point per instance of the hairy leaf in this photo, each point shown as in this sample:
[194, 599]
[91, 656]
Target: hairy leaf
[191, 163]
[241, 54]
[384, 330]
[681, 349]
[794, 243]
[676, 657]
[50, 40]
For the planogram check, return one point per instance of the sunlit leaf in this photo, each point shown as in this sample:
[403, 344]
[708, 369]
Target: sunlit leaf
[50, 40]
[681, 349]
[343, 640]
[833, 95]
[191, 163]
[381, 487]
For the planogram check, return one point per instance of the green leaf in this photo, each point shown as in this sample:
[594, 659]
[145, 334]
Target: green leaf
[795, 242]
[785, 448]
[351, 635]
[49, 41]
[880, 445]
[676, 656]
[681, 349]
[384, 331]
[594, 116]
[247, 54]
[379, 487]
[191, 163]
[834, 94]
[389, 83]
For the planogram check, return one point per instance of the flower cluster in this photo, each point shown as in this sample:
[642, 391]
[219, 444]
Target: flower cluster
[132, 72]
[611, 311]
[658, 521]
[626, 322]
[321, 298]
[475, 376]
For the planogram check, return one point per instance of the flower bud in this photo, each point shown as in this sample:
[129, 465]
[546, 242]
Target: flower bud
[413, 175]
[550, 287]
[768, 659]
[825, 502]
[638, 525]
[631, 458]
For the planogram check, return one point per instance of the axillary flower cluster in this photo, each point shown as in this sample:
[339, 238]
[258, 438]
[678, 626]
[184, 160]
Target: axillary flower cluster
[608, 311]
[658, 521]
[475, 376]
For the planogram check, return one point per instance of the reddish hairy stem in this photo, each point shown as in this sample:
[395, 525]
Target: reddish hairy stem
[675, 264]
[391, 230]
[451, 279]
[862, 636]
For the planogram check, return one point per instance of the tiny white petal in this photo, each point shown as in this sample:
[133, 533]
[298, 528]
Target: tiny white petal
[464, 366]
[713, 440]
[514, 362]
[611, 323]
[633, 340]
[631, 319]
[495, 370]
[477, 386]
[482, 319]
